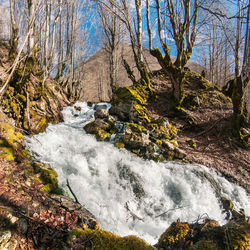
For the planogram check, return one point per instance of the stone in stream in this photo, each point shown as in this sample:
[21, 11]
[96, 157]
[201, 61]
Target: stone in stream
[102, 114]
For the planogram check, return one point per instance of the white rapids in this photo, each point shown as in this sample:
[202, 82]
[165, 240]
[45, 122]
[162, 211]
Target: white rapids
[129, 195]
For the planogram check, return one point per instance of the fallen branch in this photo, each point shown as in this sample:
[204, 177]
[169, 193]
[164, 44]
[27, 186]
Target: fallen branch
[132, 213]
[71, 191]
[172, 209]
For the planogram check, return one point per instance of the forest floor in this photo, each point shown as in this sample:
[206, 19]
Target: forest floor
[209, 140]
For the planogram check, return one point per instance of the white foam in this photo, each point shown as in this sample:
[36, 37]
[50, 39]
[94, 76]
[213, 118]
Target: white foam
[105, 179]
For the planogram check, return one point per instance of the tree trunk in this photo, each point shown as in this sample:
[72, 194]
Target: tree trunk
[240, 119]
[31, 27]
[14, 29]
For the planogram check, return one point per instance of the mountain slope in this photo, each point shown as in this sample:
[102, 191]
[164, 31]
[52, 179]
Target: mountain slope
[92, 76]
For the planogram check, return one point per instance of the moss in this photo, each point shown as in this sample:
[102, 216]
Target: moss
[49, 178]
[173, 235]
[39, 124]
[134, 127]
[49, 175]
[239, 236]
[102, 135]
[172, 130]
[192, 144]
[7, 153]
[140, 113]
[10, 141]
[205, 245]
[101, 239]
[155, 140]
[129, 94]
[158, 157]
[119, 144]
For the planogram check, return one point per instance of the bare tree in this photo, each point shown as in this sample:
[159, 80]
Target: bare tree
[31, 26]
[241, 80]
[183, 20]
[113, 30]
[14, 29]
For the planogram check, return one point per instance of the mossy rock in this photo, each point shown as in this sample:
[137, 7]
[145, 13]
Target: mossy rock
[239, 235]
[173, 236]
[126, 94]
[10, 142]
[205, 245]
[134, 127]
[93, 128]
[101, 239]
[49, 178]
[119, 144]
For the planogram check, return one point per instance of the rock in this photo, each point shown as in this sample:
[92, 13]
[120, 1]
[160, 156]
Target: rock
[102, 114]
[101, 106]
[93, 128]
[168, 145]
[102, 124]
[119, 144]
[77, 108]
[173, 236]
[121, 110]
[179, 153]
[136, 136]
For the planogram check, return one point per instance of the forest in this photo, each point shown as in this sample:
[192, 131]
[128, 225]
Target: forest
[124, 117]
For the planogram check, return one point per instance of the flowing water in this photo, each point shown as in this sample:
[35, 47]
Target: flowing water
[129, 195]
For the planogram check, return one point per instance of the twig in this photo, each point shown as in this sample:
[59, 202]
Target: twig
[71, 191]
[200, 217]
[172, 209]
[133, 214]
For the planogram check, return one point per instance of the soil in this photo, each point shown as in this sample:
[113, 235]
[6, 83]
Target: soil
[215, 147]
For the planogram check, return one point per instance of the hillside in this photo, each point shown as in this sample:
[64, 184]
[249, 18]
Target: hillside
[92, 76]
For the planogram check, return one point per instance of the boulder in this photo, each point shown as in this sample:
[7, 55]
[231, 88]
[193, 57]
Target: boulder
[102, 114]
[179, 153]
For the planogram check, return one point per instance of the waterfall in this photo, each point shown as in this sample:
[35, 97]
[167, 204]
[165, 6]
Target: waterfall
[129, 195]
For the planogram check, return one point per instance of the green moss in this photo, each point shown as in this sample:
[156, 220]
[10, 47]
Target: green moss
[175, 233]
[158, 157]
[140, 113]
[205, 245]
[172, 130]
[101, 239]
[134, 127]
[192, 144]
[156, 141]
[11, 140]
[7, 153]
[49, 177]
[40, 124]
[239, 236]
[102, 135]
[119, 144]
[126, 94]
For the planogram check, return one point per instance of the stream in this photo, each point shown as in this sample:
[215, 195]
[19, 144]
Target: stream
[129, 195]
